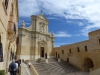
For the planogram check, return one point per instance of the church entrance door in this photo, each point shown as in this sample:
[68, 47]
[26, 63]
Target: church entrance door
[42, 52]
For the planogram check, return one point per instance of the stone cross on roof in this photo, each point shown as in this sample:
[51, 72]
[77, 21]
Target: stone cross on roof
[41, 12]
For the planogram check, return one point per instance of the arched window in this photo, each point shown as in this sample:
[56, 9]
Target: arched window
[6, 3]
[15, 28]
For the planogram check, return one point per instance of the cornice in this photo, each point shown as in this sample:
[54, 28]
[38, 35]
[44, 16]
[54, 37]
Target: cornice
[34, 31]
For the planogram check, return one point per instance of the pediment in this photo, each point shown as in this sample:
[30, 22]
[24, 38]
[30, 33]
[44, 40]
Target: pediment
[42, 17]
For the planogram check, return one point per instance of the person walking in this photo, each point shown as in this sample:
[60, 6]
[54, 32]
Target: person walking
[12, 68]
[19, 62]
[16, 62]
[29, 64]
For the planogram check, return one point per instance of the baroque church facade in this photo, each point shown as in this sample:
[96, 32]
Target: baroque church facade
[35, 41]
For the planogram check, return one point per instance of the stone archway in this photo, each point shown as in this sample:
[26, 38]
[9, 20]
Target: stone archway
[67, 59]
[42, 52]
[42, 49]
[88, 63]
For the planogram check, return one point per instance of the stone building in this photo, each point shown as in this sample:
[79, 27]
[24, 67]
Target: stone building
[8, 31]
[84, 55]
[35, 41]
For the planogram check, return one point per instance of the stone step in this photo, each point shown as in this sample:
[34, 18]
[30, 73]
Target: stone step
[55, 68]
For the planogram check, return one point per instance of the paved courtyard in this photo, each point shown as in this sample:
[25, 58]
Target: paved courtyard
[56, 68]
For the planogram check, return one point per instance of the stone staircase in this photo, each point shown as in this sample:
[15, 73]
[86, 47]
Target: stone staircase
[56, 68]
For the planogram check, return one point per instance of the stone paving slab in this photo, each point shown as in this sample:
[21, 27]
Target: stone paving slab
[25, 70]
[57, 68]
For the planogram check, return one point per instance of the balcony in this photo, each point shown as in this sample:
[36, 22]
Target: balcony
[11, 31]
[11, 28]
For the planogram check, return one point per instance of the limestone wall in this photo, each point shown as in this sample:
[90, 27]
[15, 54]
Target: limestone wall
[6, 15]
[77, 58]
[95, 72]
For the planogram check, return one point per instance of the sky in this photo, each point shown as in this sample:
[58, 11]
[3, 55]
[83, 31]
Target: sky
[70, 20]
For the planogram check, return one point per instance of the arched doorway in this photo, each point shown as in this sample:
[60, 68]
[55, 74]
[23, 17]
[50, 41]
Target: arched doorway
[67, 59]
[42, 52]
[1, 51]
[42, 48]
[56, 54]
[88, 63]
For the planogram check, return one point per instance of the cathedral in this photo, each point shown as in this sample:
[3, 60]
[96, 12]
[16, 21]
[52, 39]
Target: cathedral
[35, 41]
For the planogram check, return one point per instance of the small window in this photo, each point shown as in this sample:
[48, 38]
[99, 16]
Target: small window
[85, 48]
[1, 52]
[14, 28]
[6, 3]
[78, 49]
[56, 54]
[67, 59]
[99, 41]
[70, 51]
[62, 51]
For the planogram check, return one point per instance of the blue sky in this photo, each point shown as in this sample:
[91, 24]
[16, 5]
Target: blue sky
[69, 20]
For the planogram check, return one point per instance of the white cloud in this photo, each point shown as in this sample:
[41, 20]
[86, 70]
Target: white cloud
[89, 28]
[81, 24]
[78, 9]
[62, 34]
[60, 44]
[77, 35]
[28, 7]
